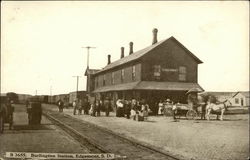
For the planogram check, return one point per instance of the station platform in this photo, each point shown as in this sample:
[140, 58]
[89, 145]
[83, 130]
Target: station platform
[228, 139]
[44, 138]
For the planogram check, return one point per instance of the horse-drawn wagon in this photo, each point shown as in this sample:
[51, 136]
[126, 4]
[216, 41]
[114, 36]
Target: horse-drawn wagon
[182, 110]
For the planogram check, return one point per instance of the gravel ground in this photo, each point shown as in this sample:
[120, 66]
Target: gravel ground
[213, 139]
[45, 138]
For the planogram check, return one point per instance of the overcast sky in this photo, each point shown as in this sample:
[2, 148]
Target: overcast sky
[41, 41]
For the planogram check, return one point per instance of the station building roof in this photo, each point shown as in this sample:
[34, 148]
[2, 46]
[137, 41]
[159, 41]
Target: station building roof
[142, 52]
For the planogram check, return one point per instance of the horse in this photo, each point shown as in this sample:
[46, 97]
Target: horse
[217, 109]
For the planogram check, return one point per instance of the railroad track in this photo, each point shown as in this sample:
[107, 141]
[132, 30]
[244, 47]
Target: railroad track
[100, 140]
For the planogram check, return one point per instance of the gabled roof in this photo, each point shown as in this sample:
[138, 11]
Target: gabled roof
[245, 93]
[91, 71]
[140, 53]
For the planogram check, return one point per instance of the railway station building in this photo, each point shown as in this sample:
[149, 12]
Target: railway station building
[165, 69]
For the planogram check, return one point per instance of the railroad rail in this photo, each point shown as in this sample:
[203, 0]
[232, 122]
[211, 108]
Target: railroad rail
[100, 140]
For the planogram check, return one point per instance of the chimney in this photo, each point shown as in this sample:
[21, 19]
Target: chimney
[154, 36]
[122, 52]
[109, 57]
[130, 47]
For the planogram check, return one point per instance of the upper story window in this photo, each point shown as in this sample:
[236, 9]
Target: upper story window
[133, 73]
[96, 82]
[182, 73]
[122, 75]
[157, 72]
[104, 80]
[112, 78]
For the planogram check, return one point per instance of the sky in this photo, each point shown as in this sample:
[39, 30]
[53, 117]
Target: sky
[41, 41]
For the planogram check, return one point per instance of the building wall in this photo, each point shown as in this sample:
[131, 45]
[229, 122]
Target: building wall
[169, 56]
[117, 75]
[240, 100]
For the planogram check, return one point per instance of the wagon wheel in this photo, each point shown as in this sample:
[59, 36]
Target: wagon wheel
[168, 112]
[191, 114]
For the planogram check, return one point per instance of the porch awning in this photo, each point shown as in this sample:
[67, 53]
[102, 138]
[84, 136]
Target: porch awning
[150, 85]
[167, 86]
[119, 87]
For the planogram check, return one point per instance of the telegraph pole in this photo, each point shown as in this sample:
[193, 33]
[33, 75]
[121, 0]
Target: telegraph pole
[77, 79]
[50, 90]
[88, 47]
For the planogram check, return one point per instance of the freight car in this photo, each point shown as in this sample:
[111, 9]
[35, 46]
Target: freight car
[80, 94]
[22, 98]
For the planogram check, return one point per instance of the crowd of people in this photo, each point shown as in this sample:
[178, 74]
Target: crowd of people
[131, 109]
[134, 109]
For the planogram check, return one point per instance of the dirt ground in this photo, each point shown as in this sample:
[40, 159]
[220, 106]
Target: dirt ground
[228, 139]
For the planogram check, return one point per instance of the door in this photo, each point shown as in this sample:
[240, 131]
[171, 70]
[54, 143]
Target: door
[242, 102]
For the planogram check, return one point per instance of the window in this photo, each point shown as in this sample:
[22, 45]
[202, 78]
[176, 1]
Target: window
[104, 80]
[236, 100]
[133, 73]
[113, 78]
[157, 72]
[182, 73]
[96, 82]
[122, 75]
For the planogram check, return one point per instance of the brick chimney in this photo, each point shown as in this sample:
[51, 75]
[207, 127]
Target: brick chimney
[154, 36]
[131, 48]
[109, 57]
[122, 52]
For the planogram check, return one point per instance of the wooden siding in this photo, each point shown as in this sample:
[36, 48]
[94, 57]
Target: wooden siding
[117, 75]
[170, 56]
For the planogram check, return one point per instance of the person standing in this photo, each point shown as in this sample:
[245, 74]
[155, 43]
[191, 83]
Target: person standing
[127, 108]
[60, 105]
[93, 106]
[86, 106]
[74, 107]
[119, 111]
[144, 110]
[133, 109]
[80, 107]
[98, 107]
[10, 110]
[161, 108]
[3, 112]
[107, 105]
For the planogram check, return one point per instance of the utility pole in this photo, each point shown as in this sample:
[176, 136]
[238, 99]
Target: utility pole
[88, 47]
[50, 90]
[77, 79]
